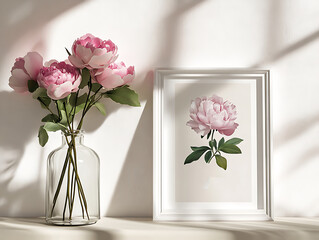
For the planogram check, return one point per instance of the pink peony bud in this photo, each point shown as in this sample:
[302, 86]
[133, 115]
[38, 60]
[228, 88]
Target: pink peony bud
[92, 52]
[212, 114]
[60, 79]
[115, 75]
[25, 69]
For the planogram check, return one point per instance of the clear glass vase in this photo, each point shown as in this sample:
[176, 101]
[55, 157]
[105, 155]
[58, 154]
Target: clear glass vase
[73, 183]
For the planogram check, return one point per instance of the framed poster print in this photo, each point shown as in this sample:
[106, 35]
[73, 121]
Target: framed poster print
[211, 145]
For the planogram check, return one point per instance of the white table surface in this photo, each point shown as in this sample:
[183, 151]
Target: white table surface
[136, 228]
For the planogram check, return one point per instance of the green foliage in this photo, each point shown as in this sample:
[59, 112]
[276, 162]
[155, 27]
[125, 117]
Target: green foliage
[50, 118]
[208, 156]
[64, 119]
[43, 136]
[85, 78]
[200, 148]
[61, 104]
[81, 99]
[63, 116]
[53, 127]
[124, 95]
[215, 150]
[211, 144]
[195, 156]
[221, 161]
[95, 87]
[40, 92]
[79, 108]
[234, 141]
[44, 101]
[32, 86]
[221, 142]
[100, 107]
[230, 148]
[215, 144]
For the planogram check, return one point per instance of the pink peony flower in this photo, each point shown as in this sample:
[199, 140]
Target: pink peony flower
[60, 79]
[25, 69]
[92, 52]
[115, 75]
[212, 113]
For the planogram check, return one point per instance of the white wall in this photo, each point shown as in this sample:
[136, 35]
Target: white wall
[280, 35]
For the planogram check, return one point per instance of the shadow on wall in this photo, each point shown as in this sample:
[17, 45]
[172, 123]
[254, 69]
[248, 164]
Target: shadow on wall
[134, 190]
[133, 194]
[19, 21]
[19, 122]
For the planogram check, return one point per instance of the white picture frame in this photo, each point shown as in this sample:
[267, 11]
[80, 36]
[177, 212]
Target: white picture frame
[197, 201]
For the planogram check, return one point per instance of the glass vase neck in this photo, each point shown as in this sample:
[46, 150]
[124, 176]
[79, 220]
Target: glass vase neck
[77, 136]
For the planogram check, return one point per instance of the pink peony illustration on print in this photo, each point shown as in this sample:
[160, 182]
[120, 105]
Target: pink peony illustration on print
[210, 115]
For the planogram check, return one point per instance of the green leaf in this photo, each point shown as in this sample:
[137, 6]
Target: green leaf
[44, 101]
[95, 87]
[43, 136]
[61, 105]
[53, 127]
[200, 148]
[50, 118]
[67, 51]
[32, 86]
[79, 108]
[234, 141]
[72, 99]
[221, 161]
[194, 156]
[81, 99]
[230, 148]
[124, 95]
[66, 99]
[215, 144]
[211, 145]
[100, 107]
[221, 142]
[85, 78]
[40, 92]
[208, 135]
[208, 155]
[64, 120]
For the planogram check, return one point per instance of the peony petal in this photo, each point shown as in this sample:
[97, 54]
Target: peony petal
[76, 84]
[217, 99]
[112, 81]
[202, 117]
[193, 108]
[76, 62]
[48, 63]
[85, 54]
[128, 79]
[101, 61]
[99, 51]
[57, 92]
[206, 131]
[230, 130]
[18, 85]
[192, 124]
[33, 61]
[20, 74]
